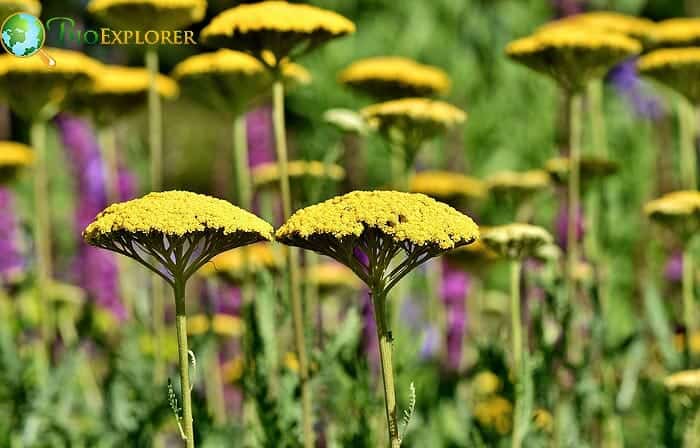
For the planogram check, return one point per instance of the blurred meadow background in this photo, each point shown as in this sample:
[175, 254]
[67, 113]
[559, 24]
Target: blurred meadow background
[88, 346]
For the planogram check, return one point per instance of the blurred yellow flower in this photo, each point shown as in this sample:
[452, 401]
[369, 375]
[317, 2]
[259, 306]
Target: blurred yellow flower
[486, 383]
[677, 32]
[517, 182]
[679, 210]
[227, 325]
[395, 77]
[544, 421]
[636, 27]
[280, 28]
[404, 217]
[119, 91]
[407, 112]
[145, 15]
[33, 89]
[572, 55]
[447, 185]
[13, 157]
[232, 370]
[9, 7]
[474, 257]
[592, 168]
[291, 362]
[236, 264]
[495, 413]
[686, 382]
[679, 341]
[677, 68]
[267, 174]
[231, 79]
[197, 324]
[516, 240]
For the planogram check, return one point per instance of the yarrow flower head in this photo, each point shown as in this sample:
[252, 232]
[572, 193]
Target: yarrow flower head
[636, 27]
[119, 91]
[144, 15]
[220, 324]
[382, 224]
[516, 241]
[686, 382]
[181, 230]
[592, 168]
[677, 68]
[495, 413]
[447, 185]
[411, 121]
[346, 120]
[9, 7]
[34, 89]
[238, 264]
[392, 77]
[573, 55]
[283, 29]
[227, 81]
[679, 210]
[517, 186]
[677, 32]
[13, 157]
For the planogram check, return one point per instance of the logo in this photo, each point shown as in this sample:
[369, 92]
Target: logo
[23, 35]
[66, 31]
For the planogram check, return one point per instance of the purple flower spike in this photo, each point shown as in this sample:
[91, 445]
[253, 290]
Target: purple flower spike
[454, 290]
[625, 79]
[11, 260]
[562, 225]
[261, 144]
[95, 270]
[431, 343]
[674, 267]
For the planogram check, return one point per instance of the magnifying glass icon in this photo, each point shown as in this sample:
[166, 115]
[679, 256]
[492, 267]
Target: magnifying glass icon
[23, 35]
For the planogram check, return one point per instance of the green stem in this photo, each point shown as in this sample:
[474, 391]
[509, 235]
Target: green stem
[398, 167]
[598, 131]
[689, 313]
[108, 145]
[688, 158]
[183, 355]
[42, 226]
[155, 141]
[574, 192]
[292, 258]
[517, 341]
[385, 349]
[215, 385]
[240, 159]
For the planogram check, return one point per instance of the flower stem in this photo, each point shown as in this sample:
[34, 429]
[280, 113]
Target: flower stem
[183, 355]
[108, 145]
[517, 341]
[155, 141]
[688, 299]
[292, 258]
[385, 348]
[240, 159]
[42, 225]
[574, 192]
[688, 158]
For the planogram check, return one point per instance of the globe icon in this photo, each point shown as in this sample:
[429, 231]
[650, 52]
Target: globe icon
[22, 34]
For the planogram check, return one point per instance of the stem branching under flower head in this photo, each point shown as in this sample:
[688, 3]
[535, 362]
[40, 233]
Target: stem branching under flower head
[381, 225]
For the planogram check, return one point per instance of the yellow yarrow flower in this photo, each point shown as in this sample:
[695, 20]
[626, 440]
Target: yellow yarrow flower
[678, 32]
[267, 174]
[232, 370]
[636, 27]
[486, 383]
[679, 210]
[517, 183]
[573, 55]
[679, 342]
[119, 91]
[516, 241]
[198, 324]
[13, 157]
[227, 81]
[495, 413]
[395, 77]
[291, 362]
[381, 224]
[686, 382]
[332, 275]
[9, 7]
[227, 325]
[280, 28]
[181, 230]
[677, 68]
[143, 15]
[33, 89]
[544, 421]
[447, 185]
[592, 168]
